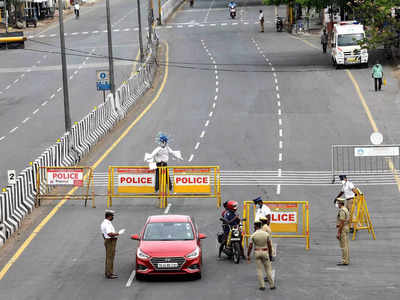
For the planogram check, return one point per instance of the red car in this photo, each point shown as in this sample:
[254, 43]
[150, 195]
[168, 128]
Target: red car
[169, 244]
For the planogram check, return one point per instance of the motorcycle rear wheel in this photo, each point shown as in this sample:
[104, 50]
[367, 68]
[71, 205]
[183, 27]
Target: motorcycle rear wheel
[236, 253]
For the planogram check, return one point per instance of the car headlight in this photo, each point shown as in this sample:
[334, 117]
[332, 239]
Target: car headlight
[194, 254]
[364, 51]
[339, 54]
[141, 254]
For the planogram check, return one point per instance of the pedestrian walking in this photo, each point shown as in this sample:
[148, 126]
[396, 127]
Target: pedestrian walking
[110, 241]
[261, 19]
[76, 8]
[324, 40]
[349, 191]
[342, 225]
[377, 75]
[262, 252]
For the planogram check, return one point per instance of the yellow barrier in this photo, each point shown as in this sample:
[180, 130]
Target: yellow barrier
[187, 182]
[52, 181]
[362, 219]
[12, 39]
[284, 219]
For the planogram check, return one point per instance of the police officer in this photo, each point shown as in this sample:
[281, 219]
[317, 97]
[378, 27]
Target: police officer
[262, 252]
[342, 225]
[349, 191]
[262, 210]
[110, 241]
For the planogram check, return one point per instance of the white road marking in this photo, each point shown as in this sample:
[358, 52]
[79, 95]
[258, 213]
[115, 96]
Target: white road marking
[280, 156]
[15, 128]
[76, 72]
[35, 111]
[216, 97]
[246, 23]
[274, 74]
[216, 90]
[168, 27]
[280, 122]
[22, 75]
[129, 283]
[191, 26]
[88, 57]
[276, 81]
[279, 103]
[278, 189]
[279, 112]
[216, 77]
[127, 29]
[70, 77]
[85, 32]
[191, 157]
[208, 12]
[277, 88]
[41, 36]
[216, 82]
[197, 146]
[136, 29]
[202, 134]
[214, 104]
[211, 113]
[272, 69]
[279, 172]
[2, 138]
[28, 70]
[206, 124]
[38, 62]
[224, 24]
[59, 89]
[16, 80]
[74, 33]
[25, 120]
[280, 132]
[235, 23]
[180, 26]
[280, 144]
[7, 87]
[213, 24]
[80, 67]
[278, 96]
[95, 31]
[215, 66]
[52, 96]
[45, 102]
[167, 208]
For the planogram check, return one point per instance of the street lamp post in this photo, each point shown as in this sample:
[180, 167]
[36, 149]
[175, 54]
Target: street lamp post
[110, 53]
[140, 32]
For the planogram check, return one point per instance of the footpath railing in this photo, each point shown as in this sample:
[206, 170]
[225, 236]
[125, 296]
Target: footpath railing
[17, 200]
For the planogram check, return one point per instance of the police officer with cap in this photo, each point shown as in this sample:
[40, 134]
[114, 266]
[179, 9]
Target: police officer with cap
[262, 210]
[110, 241]
[262, 251]
[342, 225]
[349, 191]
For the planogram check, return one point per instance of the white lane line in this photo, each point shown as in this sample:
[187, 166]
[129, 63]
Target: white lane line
[273, 69]
[277, 88]
[35, 111]
[85, 32]
[280, 156]
[12, 130]
[70, 77]
[280, 122]
[28, 70]
[76, 72]
[246, 23]
[95, 31]
[197, 146]
[279, 172]
[280, 132]
[216, 97]
[2, 138]
[16, 80]
[214, 104]
[190, 25]
[276, 81]
[278, 189]
[168, 26]
[45, 102]
[136, 29]
[38, 62]
[234, 24]
[167, 208]
[274, 74]
[224, 24]
[59, 89]
[216, 90]
[213, 24]
[42, 36]
[206, 124]
[7, 87]
[52, 35]
[127, 29]
[279, 112]
[208, 12]
[216, 77]
[211, 113]
[22, 75]
[215, 67]
[74, 33]
[52, 96]
[25, 120]
[279, 103]
[216, 82]
[180, 26]
[216, 71]
[280, 144]
[278, 96]
[191, 157]
[202, 134]
[129, 283]
[80, 67]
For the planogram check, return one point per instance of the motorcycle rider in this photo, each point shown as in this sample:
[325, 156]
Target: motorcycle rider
[232, 5]
[279, 23]
[230, 218]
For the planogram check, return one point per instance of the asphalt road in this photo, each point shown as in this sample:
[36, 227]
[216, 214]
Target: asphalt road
[228, 108]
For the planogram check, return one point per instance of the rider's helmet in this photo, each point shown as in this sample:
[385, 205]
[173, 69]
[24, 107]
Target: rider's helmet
[232, 205]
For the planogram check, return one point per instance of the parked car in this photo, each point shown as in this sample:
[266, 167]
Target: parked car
[169, 244]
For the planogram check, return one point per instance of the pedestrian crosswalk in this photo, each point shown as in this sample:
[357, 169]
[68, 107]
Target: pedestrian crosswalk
[160, 28]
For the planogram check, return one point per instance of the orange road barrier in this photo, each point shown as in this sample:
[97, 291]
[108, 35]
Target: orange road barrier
[185, 182]
[362, 219]
[284, 220]
[52, 183]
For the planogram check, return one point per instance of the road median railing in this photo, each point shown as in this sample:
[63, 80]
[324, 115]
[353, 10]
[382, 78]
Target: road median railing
[173, 182]
[289, 219]
[18, 199]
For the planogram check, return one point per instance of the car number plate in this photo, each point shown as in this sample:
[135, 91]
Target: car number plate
[235, 239]
[352, 59]
[167, 265]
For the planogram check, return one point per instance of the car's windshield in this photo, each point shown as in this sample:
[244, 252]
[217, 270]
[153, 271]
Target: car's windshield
[349, 39]
[168, 231]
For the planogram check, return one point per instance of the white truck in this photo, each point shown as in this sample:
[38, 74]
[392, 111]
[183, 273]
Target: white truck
[345, 49]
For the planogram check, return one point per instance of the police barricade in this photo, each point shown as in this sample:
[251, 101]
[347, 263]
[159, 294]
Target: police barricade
[285, 220]
[55, 183]
[360, 215]
[173, 182]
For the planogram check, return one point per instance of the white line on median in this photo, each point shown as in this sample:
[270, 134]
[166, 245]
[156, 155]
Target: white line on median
[216, 90]
[129, 283]
[167, 208]
[191, 157]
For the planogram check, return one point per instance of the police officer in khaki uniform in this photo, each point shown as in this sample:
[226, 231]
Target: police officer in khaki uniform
[342, 225]
[262, 252]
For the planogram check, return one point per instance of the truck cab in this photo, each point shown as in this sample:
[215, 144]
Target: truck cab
[345, 49]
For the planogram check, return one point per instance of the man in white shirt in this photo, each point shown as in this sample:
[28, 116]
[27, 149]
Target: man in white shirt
[349, 191]
[76, 8]
[110, 241]
[161, 156]
[262, 210]
[261, 19]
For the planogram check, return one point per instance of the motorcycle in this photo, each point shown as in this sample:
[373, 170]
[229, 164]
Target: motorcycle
[232, 11]
[231, 244]
[279, 24]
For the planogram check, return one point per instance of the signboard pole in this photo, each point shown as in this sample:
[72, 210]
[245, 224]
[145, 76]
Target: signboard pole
[104, 96]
